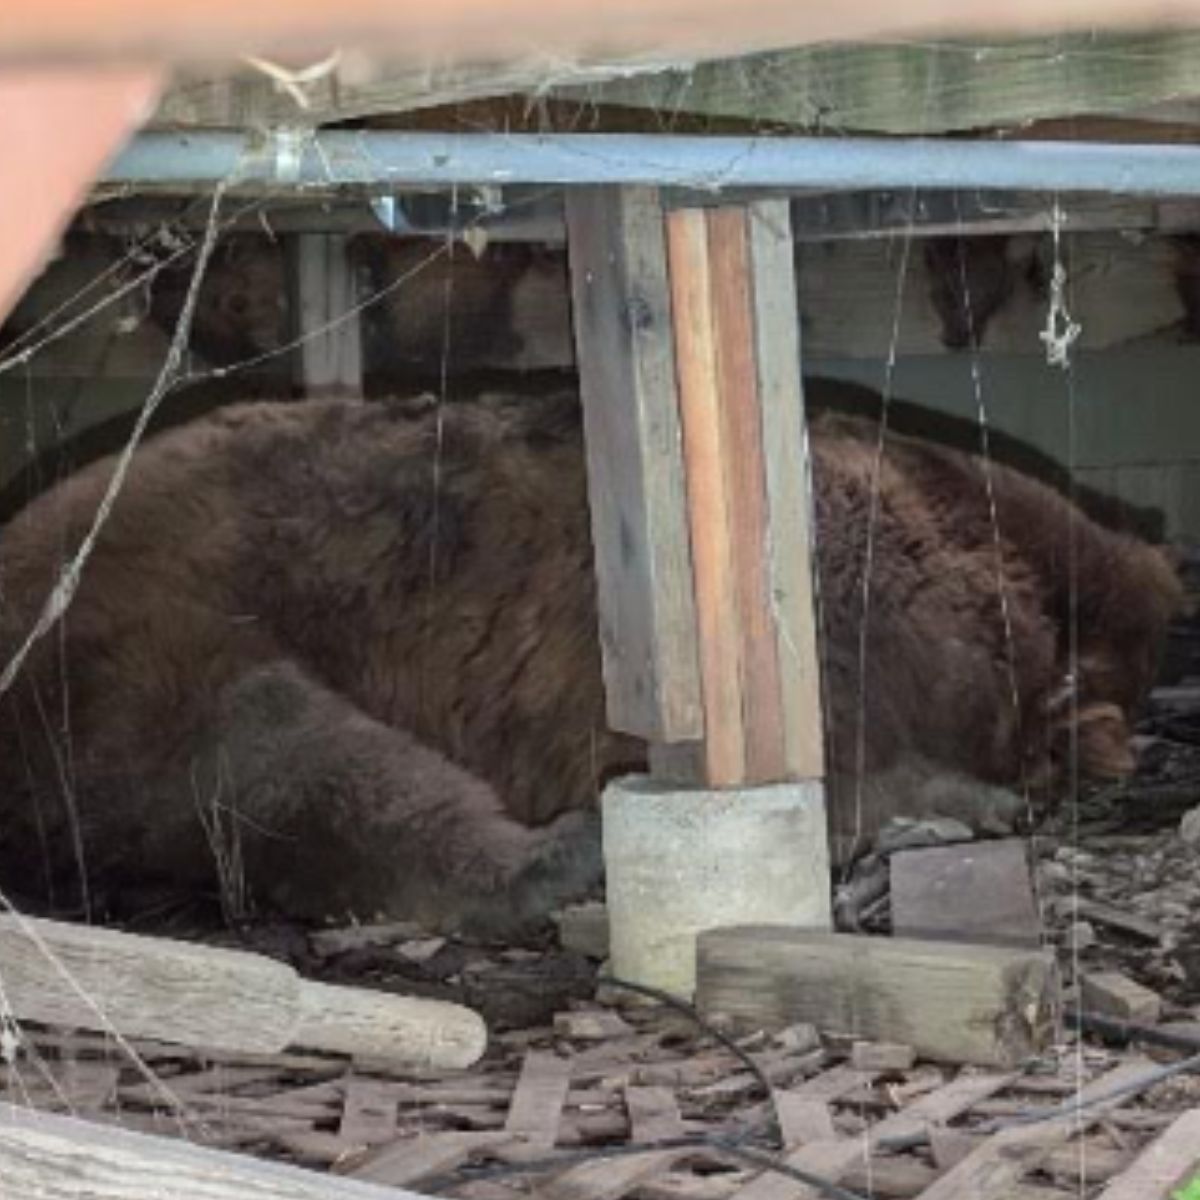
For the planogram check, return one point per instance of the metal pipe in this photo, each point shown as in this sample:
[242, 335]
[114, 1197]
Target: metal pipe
[392, 160]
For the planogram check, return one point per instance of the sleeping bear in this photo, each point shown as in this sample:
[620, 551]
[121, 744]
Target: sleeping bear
[335, 658]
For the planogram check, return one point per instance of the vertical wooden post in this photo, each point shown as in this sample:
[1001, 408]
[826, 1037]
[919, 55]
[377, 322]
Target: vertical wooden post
[688, 350]
[325, 297]
[688, 344]
[741, 398]
[622, 315]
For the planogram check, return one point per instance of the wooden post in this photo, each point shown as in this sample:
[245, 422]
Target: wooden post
[686, 323]
[688, 345]
[636, 486]
[325, 299]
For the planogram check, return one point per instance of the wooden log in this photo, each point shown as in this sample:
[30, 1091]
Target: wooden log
[216, 999]
[622, 310]
[955, 1003]
[45, 1157]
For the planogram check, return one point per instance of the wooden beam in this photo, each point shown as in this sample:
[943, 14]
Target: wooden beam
[626, 360]
[45, 1157]
[57, 129]
[326, 298]
[211, 998]
[955, 1003]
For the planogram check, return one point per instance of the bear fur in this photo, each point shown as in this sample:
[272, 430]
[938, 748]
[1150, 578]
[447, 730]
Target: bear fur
[343, 657]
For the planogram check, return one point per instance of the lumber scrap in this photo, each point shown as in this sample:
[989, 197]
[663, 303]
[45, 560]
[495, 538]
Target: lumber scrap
[211, 998]
[994, 1170]
[538, 1100]
[1113, 994]
[1171, 1160]
[833, 1160]
[988, 1005]
[51, 1157]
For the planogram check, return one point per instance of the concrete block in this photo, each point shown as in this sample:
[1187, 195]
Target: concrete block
[681, 860]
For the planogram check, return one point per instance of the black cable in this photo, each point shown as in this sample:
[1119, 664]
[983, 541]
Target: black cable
[690, 1011]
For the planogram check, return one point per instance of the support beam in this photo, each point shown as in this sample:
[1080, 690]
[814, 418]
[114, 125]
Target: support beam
[325, 305]
[708, 166]
[742, 409]
[690, 367]
[636, 487]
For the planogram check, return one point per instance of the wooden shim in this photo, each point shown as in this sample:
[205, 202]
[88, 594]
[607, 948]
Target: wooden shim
[969, 892]
[622, 311]
[216, 999]
[706, 454]
[988, 1005]
[539, 1097]
[326, 310]
[993, 1170]
[744, 478]
[788, 475]
[45, 1157]
[1165, 1164]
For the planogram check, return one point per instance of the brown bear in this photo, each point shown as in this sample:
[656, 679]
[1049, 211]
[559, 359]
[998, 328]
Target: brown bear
[344, 656]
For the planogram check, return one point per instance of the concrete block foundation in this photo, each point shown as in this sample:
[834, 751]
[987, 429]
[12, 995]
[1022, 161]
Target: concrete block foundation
[680, 860]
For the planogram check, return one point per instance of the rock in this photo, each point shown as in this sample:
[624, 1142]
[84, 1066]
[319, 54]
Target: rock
[1189, 827]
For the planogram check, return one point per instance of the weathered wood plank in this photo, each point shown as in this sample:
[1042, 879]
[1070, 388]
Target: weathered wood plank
[834, 1159]
[706, 453]
[926, 86]
[1170, 1161]
[217, 999]
[993, 1170]
[732, 281]
[414, 1159]
[45, 1157]
[787, 477]
[960, 1003]
[622, 310]
[538, 1100]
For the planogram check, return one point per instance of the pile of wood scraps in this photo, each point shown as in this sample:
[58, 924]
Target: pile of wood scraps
[642, 1104]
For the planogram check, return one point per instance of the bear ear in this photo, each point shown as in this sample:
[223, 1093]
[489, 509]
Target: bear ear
[1104, 741]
